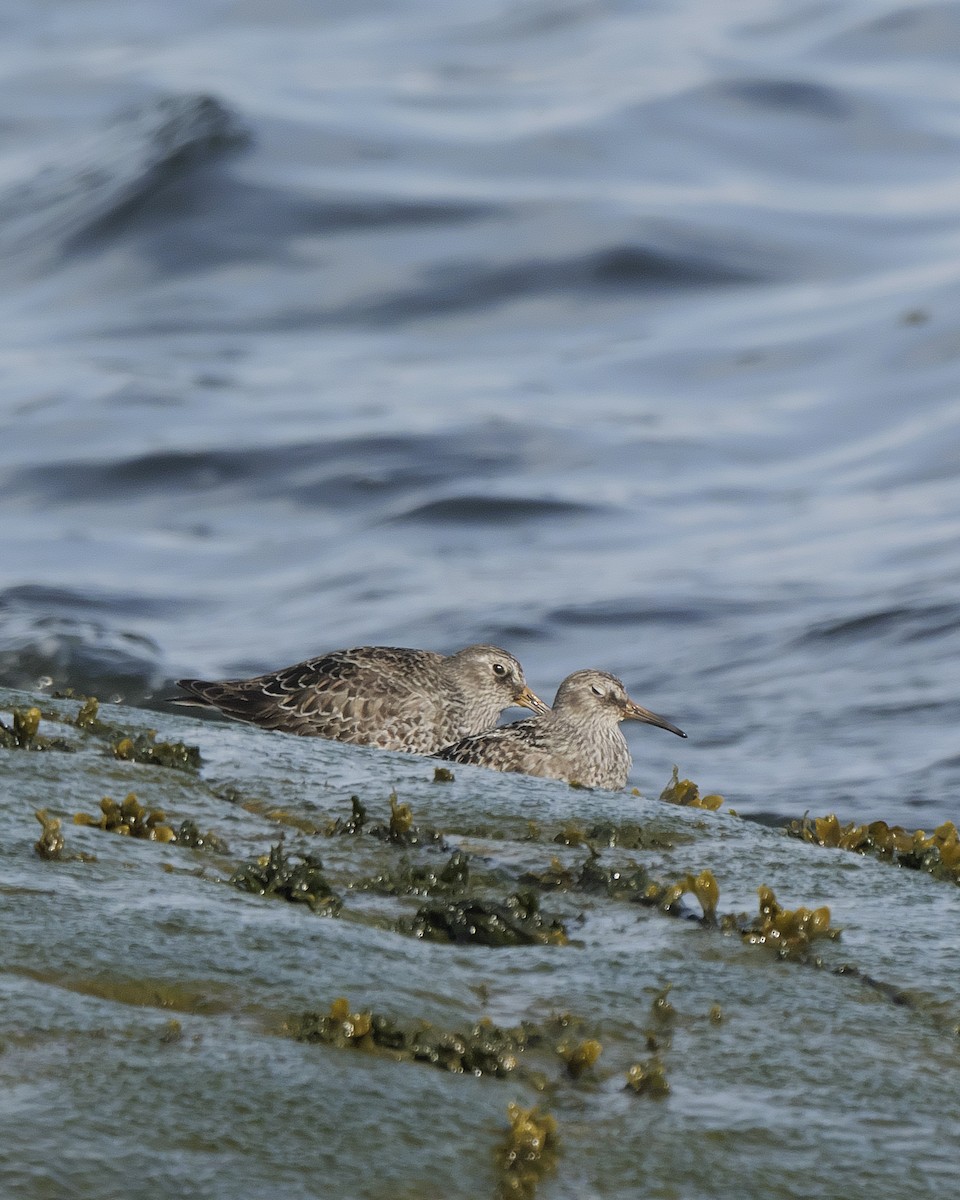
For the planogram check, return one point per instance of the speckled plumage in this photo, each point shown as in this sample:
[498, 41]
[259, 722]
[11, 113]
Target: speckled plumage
[579, 740]
[386, 696]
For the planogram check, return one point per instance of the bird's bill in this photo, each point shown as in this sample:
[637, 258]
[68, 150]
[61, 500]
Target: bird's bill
[635, 713]
[525, 698]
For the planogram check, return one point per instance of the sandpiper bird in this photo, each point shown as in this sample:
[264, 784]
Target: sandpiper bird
[384, 696]
[578, 740]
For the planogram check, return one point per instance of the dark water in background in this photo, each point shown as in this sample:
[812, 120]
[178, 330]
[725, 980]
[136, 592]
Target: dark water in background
[626, 335]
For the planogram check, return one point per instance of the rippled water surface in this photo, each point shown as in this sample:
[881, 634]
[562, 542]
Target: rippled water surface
[625, 335]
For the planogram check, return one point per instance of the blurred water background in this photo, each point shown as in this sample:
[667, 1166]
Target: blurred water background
[623, 334]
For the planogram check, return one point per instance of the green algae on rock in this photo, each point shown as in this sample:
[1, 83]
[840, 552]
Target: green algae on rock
[516, 921]
[139, 746]
[274, 874]
[87, 717]
[661, 1007]
[266, 809]
[25, 725]
[571, 834]
[484, 1049]
[527, 1154]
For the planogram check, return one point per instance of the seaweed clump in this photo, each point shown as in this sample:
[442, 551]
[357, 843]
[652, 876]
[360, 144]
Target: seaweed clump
[23, 733]
[516, 921]
[401, 830]
[130, 819]
[26, 722]
[189, 834]
[527, 1154]
[353, 824]
[50, 844]
[592, 876]
[685, 792]
[412, 879]
[649, 1077]
[580, 1056]
[144, 748]
[87, 717]
[667, 897]
[790, 932]
[632, 836]
[571, 834]
[303, 882]
[484, 1049]
[937, 853]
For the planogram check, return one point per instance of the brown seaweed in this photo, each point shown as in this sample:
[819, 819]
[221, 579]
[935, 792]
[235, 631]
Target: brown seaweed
[130, 819]
[144, 748]
[789, 932]
[937, 853]
[685, 792]
[302, 882]
[23, 733]
[401, 830]
[483, 1049]
[50, 844]
[515, 921]
[527, 1154]
[413, 879]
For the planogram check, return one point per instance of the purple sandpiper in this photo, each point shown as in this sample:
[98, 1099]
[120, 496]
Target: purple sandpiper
[578, 740]
[386, 696]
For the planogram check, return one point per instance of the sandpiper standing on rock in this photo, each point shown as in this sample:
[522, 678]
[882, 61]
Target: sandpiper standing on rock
[579, 740]
[386, 696]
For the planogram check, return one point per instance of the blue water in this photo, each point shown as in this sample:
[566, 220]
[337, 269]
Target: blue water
[625, 335]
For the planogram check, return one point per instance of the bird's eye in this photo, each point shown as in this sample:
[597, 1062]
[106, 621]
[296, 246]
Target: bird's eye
[597, 691]
[499, 669]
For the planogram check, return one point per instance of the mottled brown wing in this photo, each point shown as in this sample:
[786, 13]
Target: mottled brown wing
[376, 696]
[519, 747]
